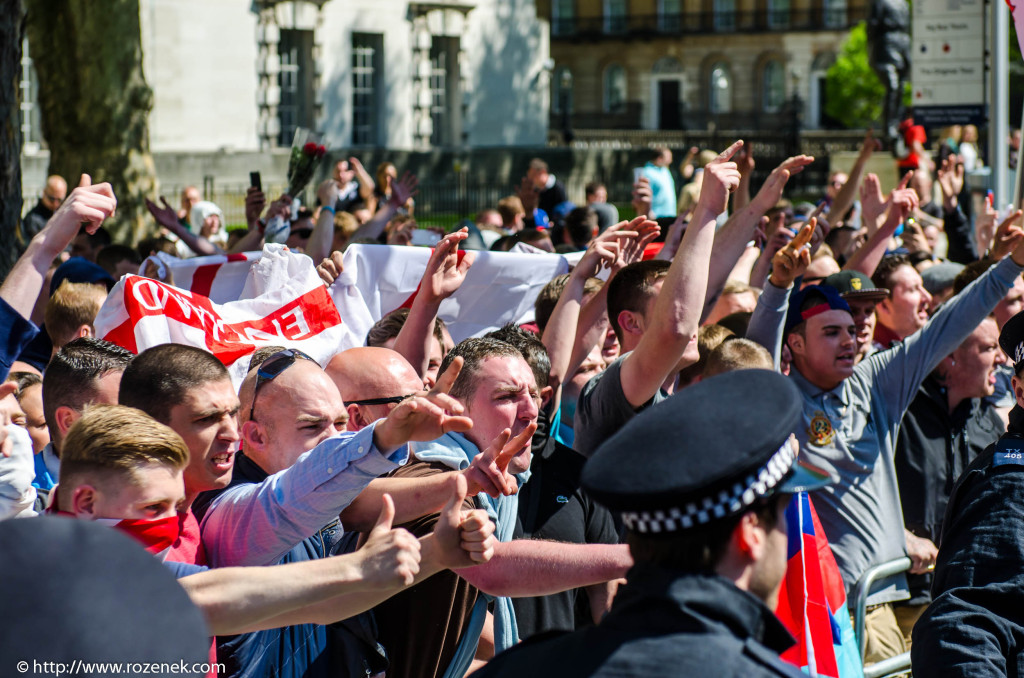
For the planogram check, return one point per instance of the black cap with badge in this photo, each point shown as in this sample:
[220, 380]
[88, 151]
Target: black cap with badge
[855, 285]
[707, 453]
[1011, 340]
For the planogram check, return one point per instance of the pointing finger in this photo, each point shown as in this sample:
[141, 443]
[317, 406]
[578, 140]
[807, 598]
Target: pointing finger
[729, 152]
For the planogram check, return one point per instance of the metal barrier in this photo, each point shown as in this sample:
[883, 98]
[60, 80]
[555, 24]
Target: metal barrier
[899, 664]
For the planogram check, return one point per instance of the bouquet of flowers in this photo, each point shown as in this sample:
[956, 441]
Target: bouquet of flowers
[308, 149]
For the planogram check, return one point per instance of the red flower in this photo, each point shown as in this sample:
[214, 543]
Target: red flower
[321, 151]
[309, 149]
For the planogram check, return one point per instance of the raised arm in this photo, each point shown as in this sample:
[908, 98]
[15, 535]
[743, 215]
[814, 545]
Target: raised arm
[255, 201]
[87, 205]
[958, 229]
[318, 247]
[902, 204]
[678, 307]
[560, 334]
[168, 218]
[401, 191]
[844, 199]
[899, 371]
[769, 317]
[445, 272]
[366, 183]
[731, 240]
[745, 164]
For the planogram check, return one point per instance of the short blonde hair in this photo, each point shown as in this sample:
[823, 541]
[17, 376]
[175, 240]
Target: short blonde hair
[70, 307]
[116, 440]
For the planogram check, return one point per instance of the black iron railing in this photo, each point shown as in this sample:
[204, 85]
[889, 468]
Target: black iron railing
[691, 23]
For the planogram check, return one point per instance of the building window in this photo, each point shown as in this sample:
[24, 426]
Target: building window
[615, 89]
[297, 106]
[778, 14]
[367, 87]
[724, 15]
[561, 90]
[614, 16]
[670, 15]
[835, 14]
[720, 89]
[445, 93]
[563, 17]
[31, 134]
[773, 86]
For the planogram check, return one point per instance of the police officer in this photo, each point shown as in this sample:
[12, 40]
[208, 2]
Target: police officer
[975, 624]
[702, 487]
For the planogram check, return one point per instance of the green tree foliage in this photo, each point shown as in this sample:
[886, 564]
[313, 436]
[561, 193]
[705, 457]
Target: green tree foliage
[853, 94]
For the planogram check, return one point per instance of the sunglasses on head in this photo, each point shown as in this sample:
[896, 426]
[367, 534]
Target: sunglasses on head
[272, 367]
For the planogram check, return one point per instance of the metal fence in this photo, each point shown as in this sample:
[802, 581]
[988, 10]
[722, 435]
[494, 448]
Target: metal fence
[619, 26]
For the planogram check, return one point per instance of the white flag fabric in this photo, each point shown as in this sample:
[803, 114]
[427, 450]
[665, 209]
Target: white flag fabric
[220, 277]
[281, 301]
[500, 287]
[231, 305]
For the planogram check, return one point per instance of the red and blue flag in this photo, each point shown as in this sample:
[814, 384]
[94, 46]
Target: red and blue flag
[812, 602]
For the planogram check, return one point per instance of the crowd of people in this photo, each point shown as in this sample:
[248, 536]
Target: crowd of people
[599, 490]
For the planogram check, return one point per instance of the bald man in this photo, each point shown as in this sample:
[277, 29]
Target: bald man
[53, 195]
[372, 381]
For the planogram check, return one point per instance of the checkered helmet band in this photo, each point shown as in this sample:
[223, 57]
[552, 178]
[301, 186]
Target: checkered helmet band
[713, 507]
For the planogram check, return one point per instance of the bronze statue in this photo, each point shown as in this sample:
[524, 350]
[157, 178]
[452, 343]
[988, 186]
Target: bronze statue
[888, 30]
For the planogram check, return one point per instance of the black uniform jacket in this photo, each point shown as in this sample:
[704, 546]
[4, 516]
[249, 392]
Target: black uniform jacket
[975, 625]
[662, 623]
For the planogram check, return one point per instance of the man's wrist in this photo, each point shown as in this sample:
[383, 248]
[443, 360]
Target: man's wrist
[432, 558]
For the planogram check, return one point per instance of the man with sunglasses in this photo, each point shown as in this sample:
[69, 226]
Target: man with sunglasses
[53, 195]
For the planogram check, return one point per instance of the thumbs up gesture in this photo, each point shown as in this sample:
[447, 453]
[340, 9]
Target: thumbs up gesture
[464, 538]
[390, 558]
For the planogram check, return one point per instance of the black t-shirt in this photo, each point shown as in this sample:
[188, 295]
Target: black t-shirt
[552, 506]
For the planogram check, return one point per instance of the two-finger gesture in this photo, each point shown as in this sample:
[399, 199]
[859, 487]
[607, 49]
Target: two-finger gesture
[791, 261]
[488, 472]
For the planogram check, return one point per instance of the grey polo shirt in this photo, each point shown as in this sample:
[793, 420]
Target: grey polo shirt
[851, 429]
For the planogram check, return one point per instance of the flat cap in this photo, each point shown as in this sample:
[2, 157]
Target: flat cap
[827, 298]
[705, 454]
[1011, 340]
[940, 276]
[855, 285]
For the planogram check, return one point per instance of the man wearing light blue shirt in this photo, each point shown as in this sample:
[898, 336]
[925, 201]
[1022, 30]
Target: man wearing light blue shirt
[663, 186]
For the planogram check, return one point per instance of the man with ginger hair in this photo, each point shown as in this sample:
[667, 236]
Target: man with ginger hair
[71, 311]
